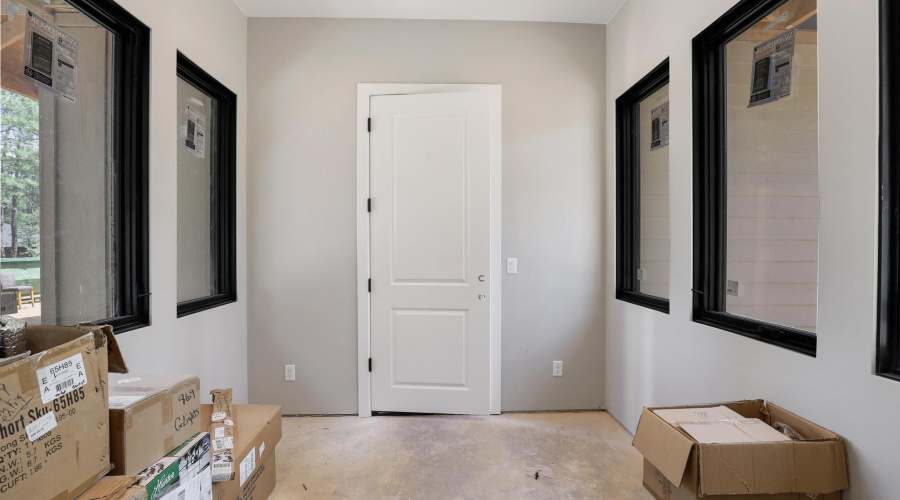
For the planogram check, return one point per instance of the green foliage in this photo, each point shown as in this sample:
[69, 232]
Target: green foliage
[20, 169]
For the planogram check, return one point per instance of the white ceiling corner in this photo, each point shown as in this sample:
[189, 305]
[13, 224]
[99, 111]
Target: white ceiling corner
[565, 11]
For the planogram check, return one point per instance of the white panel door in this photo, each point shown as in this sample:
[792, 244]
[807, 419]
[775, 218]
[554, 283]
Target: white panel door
[430, 251]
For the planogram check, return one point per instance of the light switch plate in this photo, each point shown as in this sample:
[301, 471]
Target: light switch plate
[512, 265]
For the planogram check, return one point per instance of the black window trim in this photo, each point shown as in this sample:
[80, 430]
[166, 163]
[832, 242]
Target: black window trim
[224, 160]
[131, 67]
[628, 185]
[888, 349]
[710, 182]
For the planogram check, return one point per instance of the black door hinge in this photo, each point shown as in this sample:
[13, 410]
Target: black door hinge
[370, 285]
[369, 125]
[370, 204]
[370, 365]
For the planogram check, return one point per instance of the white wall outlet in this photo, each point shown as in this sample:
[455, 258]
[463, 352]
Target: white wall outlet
[512, 266]
[290, 372]
[557, 368]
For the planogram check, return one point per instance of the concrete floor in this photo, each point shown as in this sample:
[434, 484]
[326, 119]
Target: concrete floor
[578, 455]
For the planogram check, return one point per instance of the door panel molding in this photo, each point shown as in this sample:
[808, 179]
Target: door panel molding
[365, 91]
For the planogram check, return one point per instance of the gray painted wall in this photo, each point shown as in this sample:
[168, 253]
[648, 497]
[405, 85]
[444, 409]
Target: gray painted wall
[301, 192]
[657, 359]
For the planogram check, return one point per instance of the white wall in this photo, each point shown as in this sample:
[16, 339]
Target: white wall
[657, 359]
[212, 344]
[302, 240]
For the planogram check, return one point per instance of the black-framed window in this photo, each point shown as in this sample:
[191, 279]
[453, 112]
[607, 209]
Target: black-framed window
[75, 106]
[207, 138]
[642, 192]
[888, 356]
[756, 173]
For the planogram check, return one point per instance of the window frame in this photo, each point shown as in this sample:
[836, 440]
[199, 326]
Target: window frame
[710, 183]
[224, 161]
[628, 188]
[131, 77]
[888, 347]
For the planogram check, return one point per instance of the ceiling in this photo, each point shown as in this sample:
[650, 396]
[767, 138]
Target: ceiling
[566, 11]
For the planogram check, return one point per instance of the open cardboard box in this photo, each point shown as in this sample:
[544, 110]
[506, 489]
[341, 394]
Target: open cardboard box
[54, 420]
[676, 467]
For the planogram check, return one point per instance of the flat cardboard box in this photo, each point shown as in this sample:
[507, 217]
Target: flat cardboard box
[675, 416]
[257, 431]
[180, 465]
[747, 430]
[54, 421]
[677, 467]
[198, 487]
[149, 416]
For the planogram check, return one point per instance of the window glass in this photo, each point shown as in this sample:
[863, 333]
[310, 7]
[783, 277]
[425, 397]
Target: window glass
[652, 274]
[57, 160]
[196, 116]
[772, 169]
[206, 112]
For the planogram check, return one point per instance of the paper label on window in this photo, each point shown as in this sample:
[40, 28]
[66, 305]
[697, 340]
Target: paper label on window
[659, 127]
[220, 432]
[119, 402]
[218, 416]
[247, 465]
[40, 426]
[51, 56]
[772, 65]
[195, 132]
[262, 448]
[61, 377]
[224, 443]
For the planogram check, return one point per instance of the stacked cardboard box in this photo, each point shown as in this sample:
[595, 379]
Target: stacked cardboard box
[257, 431]
[150, 416]
[731, 451]
[54, 420]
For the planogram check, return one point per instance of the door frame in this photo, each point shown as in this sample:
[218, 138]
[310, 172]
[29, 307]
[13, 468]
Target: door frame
[365, 91]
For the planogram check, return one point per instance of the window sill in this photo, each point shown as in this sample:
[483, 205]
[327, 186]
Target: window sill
[777, 335]
[641, 299]
[198, 305]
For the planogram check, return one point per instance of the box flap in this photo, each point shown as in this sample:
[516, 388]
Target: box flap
[663, 445]
[814, 467]
[110, 488]
[43, 337]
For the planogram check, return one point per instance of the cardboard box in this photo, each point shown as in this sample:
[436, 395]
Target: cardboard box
[149, 416]
[261, 483]
[257, 431]
[180, 465]
[54, 422]
[677, 467]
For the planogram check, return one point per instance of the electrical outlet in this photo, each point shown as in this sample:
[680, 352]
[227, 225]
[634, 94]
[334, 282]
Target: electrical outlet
[557, 368]
[512, 265]
[290, 372]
